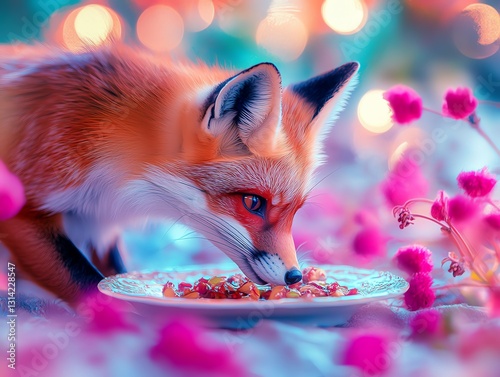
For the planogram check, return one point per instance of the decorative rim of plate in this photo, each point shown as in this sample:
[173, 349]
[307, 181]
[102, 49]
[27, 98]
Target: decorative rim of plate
[146, 287]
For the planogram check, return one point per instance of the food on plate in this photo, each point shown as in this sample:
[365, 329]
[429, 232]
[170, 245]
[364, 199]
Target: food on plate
[238, 286]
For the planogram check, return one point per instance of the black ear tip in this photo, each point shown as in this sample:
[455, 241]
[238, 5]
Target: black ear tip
[350, 68]
[320, 89]
[268, 65]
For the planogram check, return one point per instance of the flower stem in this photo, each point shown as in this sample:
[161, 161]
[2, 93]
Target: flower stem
[472, 254]
[492, 203]
[431, 219]
[491, 103]
[433, 111]
[474, 122]
[417, 200]
[488, 140]
[460, 285]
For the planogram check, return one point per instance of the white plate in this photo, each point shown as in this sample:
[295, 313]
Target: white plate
[144, 291]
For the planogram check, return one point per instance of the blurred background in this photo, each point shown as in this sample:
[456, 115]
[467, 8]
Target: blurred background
[430, 45]
[372, 165]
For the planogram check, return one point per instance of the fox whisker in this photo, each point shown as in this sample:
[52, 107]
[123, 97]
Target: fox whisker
[229, 233]
[316, 184]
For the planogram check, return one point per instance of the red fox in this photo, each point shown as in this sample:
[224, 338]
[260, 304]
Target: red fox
[107, 137]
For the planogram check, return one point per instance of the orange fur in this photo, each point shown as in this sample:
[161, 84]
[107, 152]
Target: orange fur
[65, 117]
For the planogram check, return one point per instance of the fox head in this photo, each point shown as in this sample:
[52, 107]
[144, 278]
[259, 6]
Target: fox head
[255, 151]
[250, 148]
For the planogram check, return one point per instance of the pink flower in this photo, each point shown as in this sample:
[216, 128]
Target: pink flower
[413, 259]
[404, 182]
[493, 304]
[405, 103]
[420, 294]
[405, 218]
[185, 344]
[105, 314]
[456, 264]
[493, 220]
[12, 197]
[370, 242]
[439, 209]
[369, 352]
[461, 208]
[479, 340]
[427, 323]
[476, 183]
[459, 103]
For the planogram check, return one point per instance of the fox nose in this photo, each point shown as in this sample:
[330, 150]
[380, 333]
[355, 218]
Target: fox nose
[293, 276]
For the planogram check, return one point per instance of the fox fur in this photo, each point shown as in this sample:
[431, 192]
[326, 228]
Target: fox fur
[108, 137]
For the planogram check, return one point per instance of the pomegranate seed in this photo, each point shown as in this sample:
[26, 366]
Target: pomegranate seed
[337, 293]
[265, 294]
[239, 287]
[201, 287]
[333, 287]
[238, 280]
[314, 290]
[313, 273]
[184, 288]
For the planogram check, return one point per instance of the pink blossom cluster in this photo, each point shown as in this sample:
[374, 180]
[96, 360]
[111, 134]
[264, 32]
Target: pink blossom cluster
[416, 261]
[427, 324]
[369, 351]
[406, 104]
[477, 186]
[460, 104]
[471, 220]
[186, 345]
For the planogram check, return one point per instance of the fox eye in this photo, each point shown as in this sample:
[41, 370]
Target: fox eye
[254, 204]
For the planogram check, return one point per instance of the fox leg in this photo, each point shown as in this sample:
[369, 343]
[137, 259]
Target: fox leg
[42, 250]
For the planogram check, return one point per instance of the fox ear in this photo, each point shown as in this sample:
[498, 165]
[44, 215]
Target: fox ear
[326, 94]
[246, 113]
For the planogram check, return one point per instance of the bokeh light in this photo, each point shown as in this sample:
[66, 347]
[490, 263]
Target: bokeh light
[345, 16]
[160, 28]
[93, 24]
[90, 25]
[374, 113]
[283, 34]
[199, 15]
[476, 31]
[437, 10]
[397, 154]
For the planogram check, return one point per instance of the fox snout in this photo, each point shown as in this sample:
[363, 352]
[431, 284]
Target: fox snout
[265, 267]
[278, 267]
